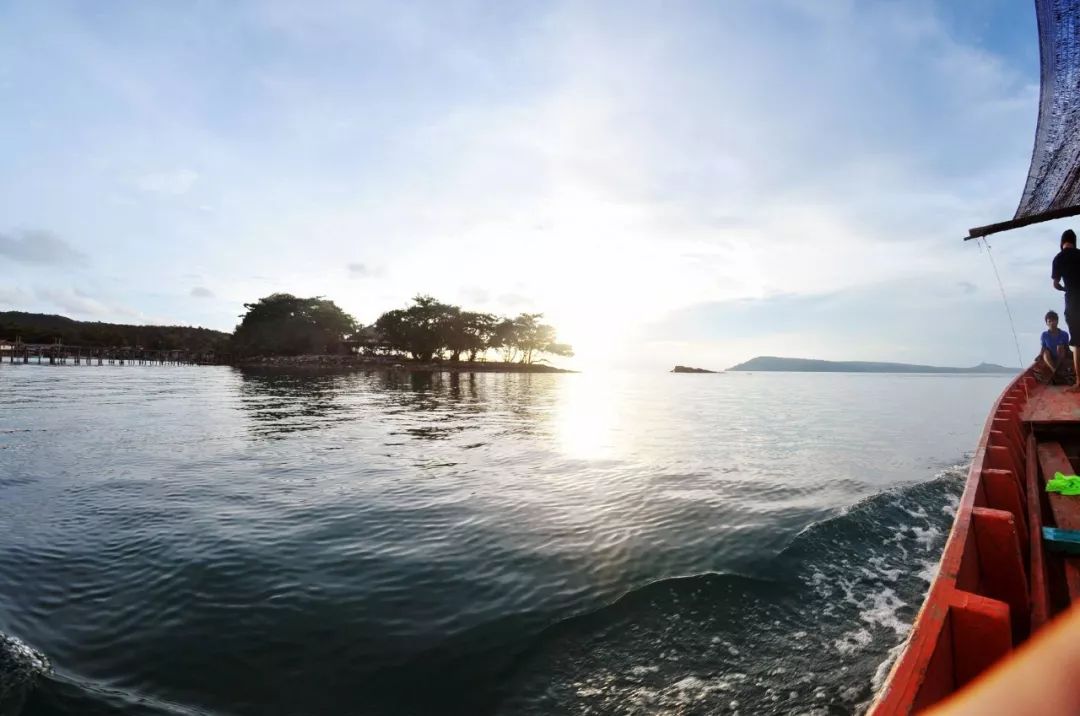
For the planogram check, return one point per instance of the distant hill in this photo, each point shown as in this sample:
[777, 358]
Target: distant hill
[47, 328]
[809, 365]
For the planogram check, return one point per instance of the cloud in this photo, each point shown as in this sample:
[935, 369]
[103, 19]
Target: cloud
[512, 300]
[967, 287]
[81, 304]
[360, 270]
[173, 183]
[38, 247]
[852, 146]
[13, 296]
[202, 292]
[475, 296]
[75, 302]
[918, 320]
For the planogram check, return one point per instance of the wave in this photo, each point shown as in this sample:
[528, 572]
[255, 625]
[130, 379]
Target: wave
[806, 631]
[20, 668]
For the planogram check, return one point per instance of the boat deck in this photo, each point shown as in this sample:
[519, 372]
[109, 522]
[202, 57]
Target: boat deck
[999, 579]
[1051, 404]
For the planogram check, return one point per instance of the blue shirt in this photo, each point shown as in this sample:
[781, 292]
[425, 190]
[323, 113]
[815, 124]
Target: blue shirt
[1051, 342]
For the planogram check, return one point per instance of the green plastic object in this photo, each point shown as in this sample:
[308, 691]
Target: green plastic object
[1065, 484]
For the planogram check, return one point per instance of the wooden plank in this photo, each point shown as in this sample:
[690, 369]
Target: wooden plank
[1001, 565]
[1014, 223]
[938, 680]
[1051, 404]
[1072, 577]
[1066, 509]
[1003, 492]
[1067, 541]
[981, 634]
[1040, 595]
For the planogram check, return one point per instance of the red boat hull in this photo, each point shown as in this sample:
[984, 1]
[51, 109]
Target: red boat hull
[997, 583]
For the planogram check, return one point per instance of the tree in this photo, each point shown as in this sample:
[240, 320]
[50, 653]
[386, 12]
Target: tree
[468, 331]
[525, 335]
[480, 330]
[505, 338]
[283, 324]
[422, 329]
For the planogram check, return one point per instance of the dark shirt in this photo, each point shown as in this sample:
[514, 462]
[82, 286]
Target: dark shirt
[1067, 267]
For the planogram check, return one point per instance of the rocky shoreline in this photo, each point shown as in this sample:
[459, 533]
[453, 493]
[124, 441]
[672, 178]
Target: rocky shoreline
[318, 362]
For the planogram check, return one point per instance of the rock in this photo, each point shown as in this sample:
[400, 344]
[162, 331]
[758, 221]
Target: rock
[688, 369]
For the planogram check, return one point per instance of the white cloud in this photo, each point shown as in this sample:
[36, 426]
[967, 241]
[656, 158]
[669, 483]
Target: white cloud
[361, 270]
[38, 247]
[13, 298]
[606, 160]
[75, 303]
[170, 183]
[81, 304]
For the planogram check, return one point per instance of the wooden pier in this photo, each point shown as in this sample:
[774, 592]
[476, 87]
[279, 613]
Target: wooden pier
[13, 352]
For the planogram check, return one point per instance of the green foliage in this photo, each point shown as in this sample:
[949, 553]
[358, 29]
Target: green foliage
[46, 328]
[285, 325]
[282, 324]
[428, 328]
[421, 330]
[521, 338]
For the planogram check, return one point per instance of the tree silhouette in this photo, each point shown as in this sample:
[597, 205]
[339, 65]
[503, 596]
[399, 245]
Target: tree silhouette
[283, 324]
[429, 327]
[421, 330]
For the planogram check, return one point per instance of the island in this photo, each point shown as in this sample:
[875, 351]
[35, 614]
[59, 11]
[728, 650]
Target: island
[811, 365]
[688, 369]
[286, 331]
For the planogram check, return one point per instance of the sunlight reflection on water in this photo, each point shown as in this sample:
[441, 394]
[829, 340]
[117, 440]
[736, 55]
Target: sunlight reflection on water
[169, 530]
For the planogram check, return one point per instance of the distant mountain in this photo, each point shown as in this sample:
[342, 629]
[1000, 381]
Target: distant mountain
[688, 369]
[46, 328]
[809, 365]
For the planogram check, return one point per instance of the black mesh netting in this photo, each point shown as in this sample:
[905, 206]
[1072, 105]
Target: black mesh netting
[1053, 181]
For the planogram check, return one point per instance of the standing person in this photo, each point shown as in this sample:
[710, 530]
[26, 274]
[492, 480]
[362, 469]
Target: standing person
[1066, 267]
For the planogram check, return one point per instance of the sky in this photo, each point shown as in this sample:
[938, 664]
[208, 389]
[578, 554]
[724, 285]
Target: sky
[682, 182]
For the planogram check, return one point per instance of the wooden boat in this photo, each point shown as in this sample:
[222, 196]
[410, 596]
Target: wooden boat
[999, 582]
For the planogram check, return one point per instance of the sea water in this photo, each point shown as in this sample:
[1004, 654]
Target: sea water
[181, 540]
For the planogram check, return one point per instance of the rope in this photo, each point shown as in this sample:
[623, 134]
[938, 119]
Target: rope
[1005, 300]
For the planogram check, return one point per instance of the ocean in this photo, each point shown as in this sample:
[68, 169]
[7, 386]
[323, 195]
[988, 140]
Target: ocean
[209, 540]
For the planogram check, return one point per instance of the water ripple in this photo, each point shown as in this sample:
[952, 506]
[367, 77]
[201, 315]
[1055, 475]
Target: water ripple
[208, 540]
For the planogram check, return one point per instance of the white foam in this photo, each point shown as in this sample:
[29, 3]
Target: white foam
[883, 669]
[24, 657]
[929, 571]
[853, 641]
[926, 537]
[883, 609]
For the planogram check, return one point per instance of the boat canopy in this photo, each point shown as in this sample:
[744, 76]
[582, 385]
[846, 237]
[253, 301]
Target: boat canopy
[1053, 182]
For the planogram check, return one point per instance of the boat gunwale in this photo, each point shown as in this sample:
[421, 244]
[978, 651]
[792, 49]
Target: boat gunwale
[900, 692]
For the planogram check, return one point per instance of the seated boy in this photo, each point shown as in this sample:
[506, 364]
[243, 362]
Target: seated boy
[1055, 362]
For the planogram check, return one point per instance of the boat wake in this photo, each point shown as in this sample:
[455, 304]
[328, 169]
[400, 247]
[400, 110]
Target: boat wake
[810, 632]
[20, 668]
